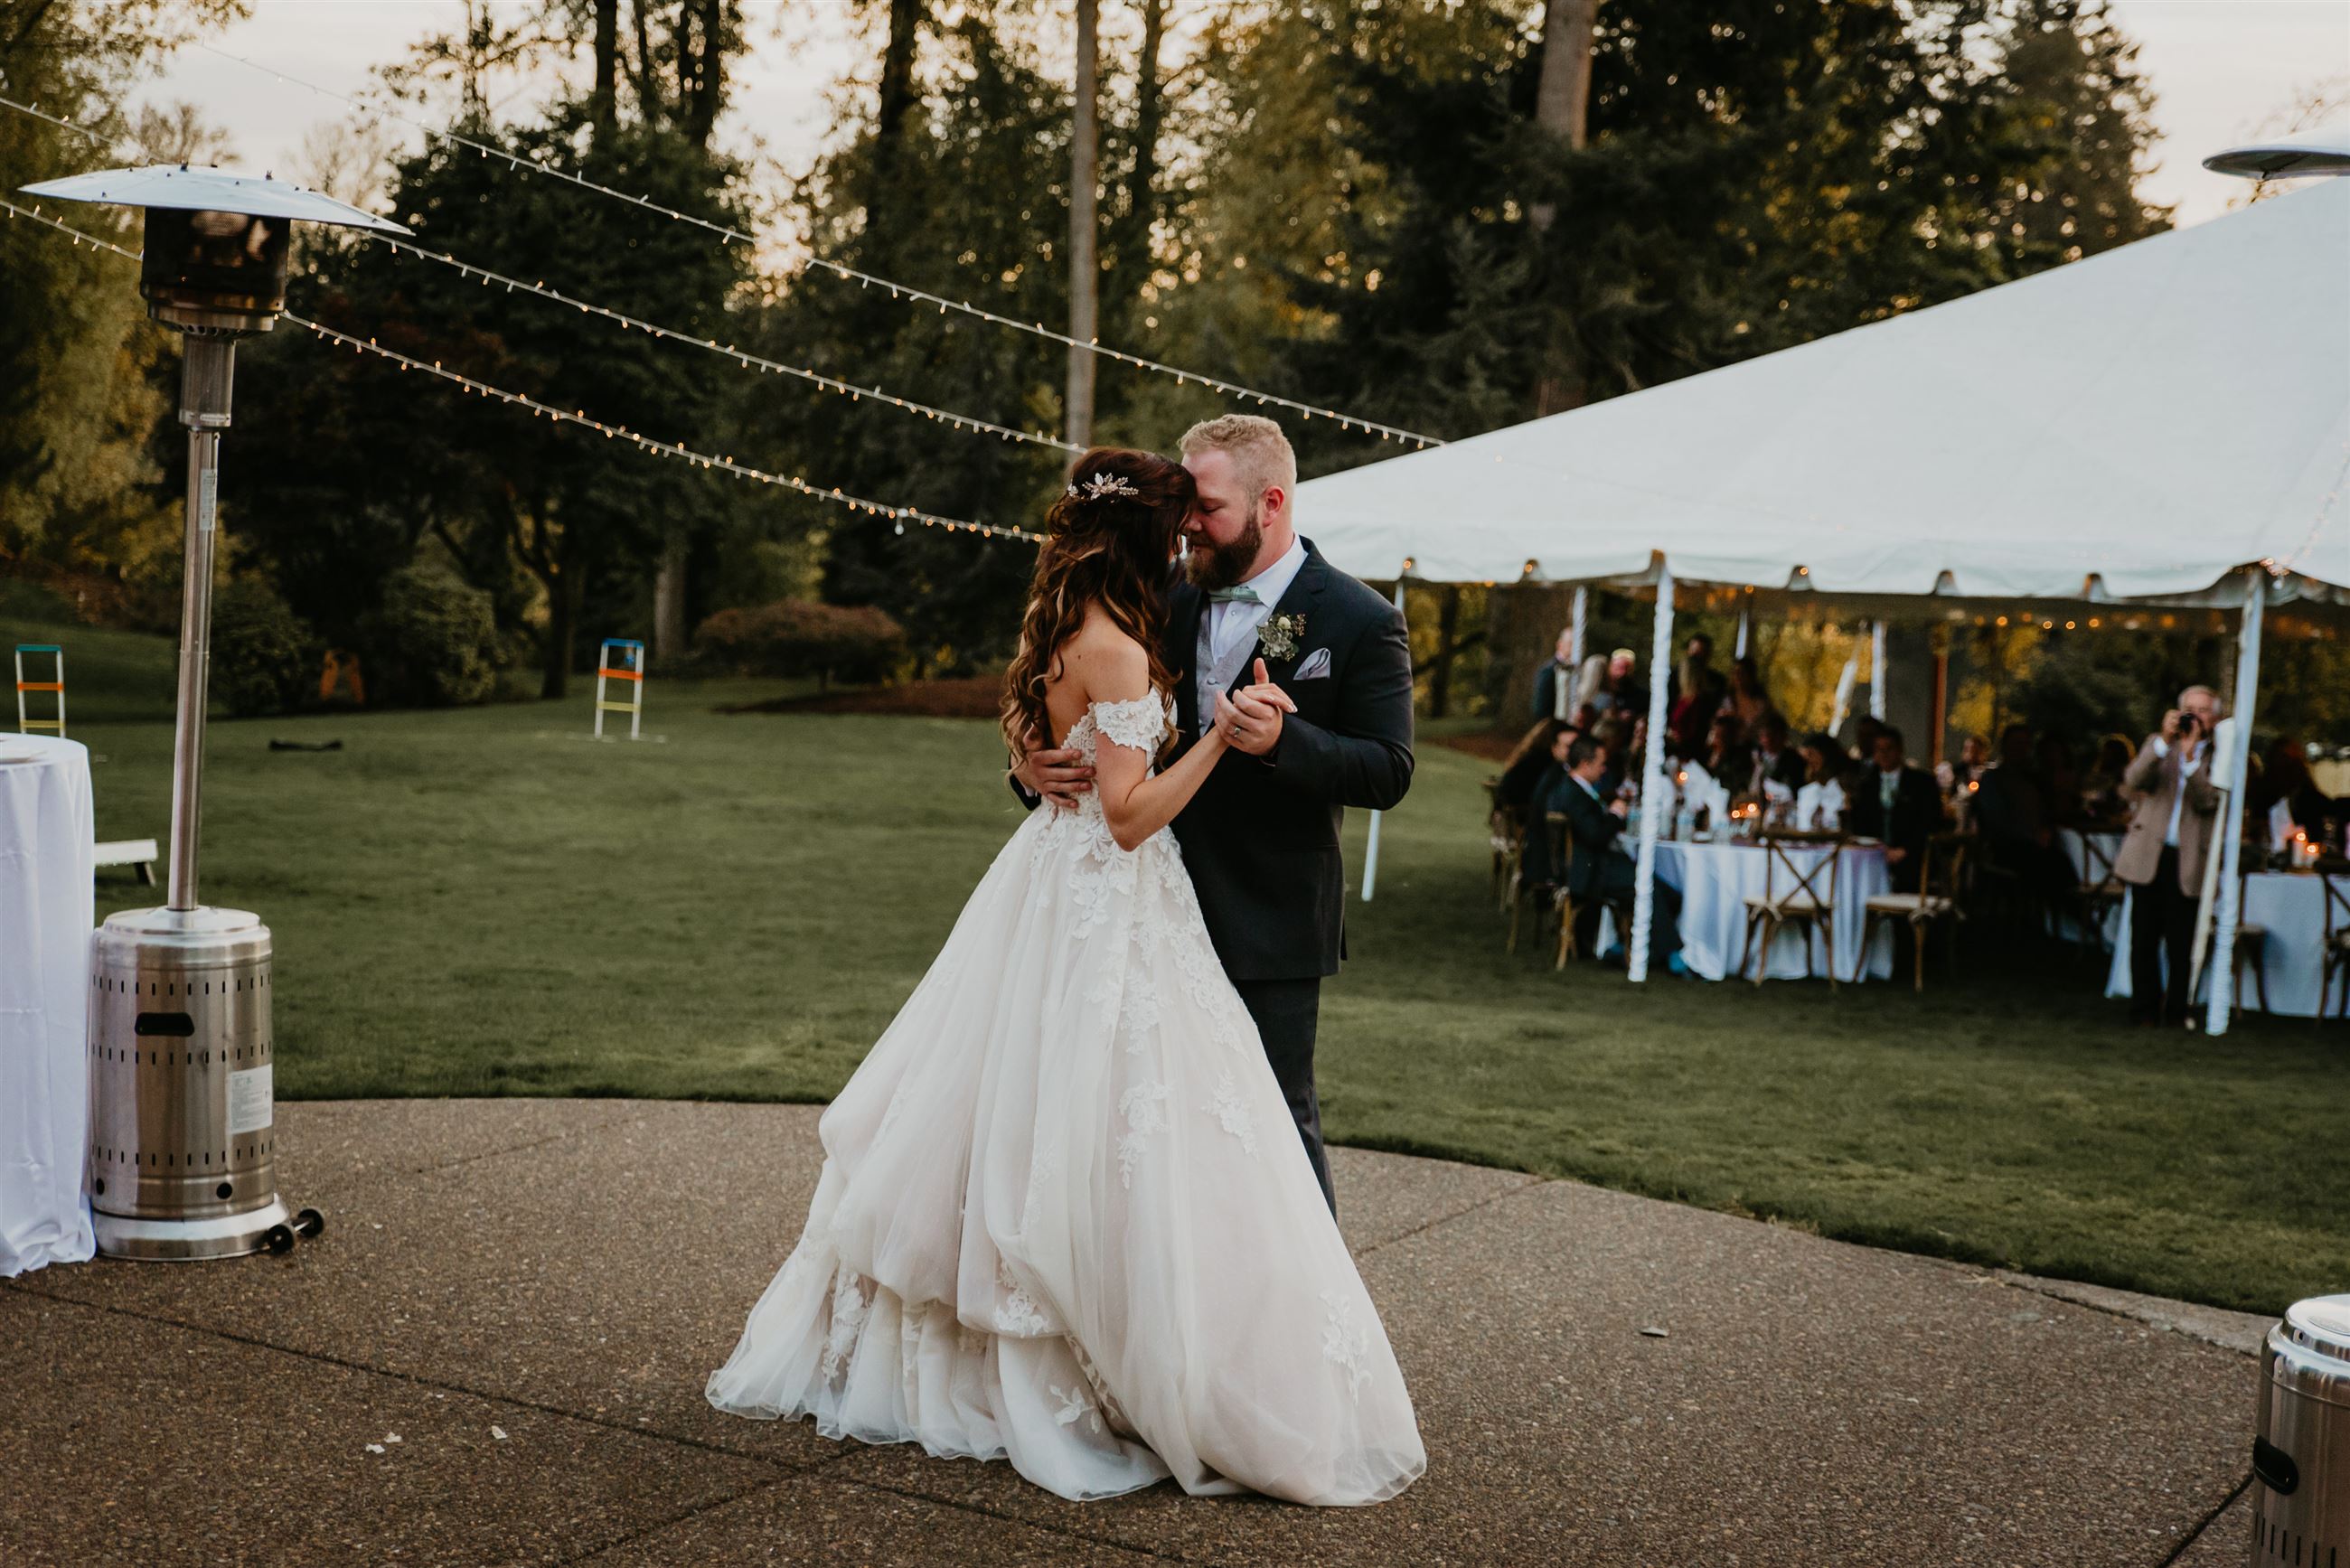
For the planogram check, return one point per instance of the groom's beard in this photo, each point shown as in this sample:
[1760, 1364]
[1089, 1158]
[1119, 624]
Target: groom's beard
[1223, 565]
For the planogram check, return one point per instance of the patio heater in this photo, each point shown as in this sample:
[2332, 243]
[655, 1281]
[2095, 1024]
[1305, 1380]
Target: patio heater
[182, 1154]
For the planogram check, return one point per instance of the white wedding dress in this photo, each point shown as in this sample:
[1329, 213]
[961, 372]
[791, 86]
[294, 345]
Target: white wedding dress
[1065, 1217]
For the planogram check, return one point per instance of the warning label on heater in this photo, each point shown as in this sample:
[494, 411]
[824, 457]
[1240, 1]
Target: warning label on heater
[249, 1101]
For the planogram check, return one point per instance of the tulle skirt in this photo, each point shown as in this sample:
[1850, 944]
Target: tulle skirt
[1066, 1219]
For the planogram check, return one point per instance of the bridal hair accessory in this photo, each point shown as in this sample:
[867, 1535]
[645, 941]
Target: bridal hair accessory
[1102, 484]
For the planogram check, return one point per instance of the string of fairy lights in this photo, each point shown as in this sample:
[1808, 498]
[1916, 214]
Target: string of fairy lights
[907, 292]
[900, 516]
[746, 359]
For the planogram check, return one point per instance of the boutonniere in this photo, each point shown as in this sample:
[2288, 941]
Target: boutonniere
[1280, 635]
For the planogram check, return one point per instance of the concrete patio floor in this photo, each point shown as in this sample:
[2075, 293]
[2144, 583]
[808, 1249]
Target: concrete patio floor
[496, 1354]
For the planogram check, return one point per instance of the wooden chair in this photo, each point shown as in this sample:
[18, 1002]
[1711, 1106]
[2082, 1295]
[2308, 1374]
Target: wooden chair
[1939, 879]
[2338, 943]
[1803, 897]
[1543, 886]
[1505, 833]
[2251, 951]
[2101, 889]
[1570, 934]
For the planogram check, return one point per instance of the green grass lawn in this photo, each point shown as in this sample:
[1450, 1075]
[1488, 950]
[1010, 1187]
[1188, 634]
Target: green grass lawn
[482, 902]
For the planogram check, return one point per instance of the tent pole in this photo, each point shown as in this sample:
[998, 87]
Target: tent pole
[1877, 671]
[1843, 689]
[1652, 779]
[1578, 638]
[1941, 718]
[2231, 810]
[1745, 624]
[1371, 846]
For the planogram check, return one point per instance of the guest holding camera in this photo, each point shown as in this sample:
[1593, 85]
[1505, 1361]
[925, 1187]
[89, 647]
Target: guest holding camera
[2172, 801]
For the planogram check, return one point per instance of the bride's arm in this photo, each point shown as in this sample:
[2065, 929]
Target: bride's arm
[1135, 802]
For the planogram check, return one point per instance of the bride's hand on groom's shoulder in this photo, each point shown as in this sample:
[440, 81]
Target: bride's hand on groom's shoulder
[1058, 773]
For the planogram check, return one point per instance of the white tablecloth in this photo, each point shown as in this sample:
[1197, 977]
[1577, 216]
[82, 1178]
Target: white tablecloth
[46, 914]
[1715, 880]
[2291, 906]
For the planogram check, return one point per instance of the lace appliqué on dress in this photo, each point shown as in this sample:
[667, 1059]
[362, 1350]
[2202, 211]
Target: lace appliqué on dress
[1139, 725]
[1018, 1314]
[1233, 1113]
[1141, 1107]
[1346, 1343]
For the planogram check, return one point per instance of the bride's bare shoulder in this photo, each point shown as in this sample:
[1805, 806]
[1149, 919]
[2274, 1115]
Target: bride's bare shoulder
[1106, 660]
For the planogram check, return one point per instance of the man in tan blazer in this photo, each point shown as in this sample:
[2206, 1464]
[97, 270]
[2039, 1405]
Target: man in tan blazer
[2173, 800]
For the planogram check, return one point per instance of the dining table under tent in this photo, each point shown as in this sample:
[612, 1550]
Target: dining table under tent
[2157, 430]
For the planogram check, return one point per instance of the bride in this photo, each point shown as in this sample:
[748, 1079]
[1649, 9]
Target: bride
[1063, 1216]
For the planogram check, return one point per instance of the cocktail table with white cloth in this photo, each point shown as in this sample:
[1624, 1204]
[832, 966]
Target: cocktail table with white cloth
[1715, 880]
[2290, 907]
[46, 844]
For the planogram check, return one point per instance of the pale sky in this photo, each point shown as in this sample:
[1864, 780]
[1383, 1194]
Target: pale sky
[2223, 70]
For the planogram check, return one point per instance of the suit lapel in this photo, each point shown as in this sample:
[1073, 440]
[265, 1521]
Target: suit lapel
[1186, 605]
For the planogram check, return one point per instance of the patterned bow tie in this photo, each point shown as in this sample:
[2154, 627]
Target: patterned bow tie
[1243, 595]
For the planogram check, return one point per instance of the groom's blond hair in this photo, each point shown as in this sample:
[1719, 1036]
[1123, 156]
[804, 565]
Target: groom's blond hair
[1260, 454]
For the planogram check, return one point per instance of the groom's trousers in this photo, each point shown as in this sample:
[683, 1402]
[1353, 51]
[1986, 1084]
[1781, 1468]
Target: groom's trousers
[1286, 1012]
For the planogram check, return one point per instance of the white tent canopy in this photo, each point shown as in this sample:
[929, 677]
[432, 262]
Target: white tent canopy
[2142, 425]
[2137, 424]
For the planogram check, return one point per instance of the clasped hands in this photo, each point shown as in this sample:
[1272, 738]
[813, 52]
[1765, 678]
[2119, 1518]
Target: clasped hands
[1251, 718]
[1248, 720]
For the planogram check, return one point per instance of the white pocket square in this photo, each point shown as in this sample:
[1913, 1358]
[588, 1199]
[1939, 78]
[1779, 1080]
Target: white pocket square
[1314, 667]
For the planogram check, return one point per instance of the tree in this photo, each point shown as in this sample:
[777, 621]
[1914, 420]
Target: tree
[1085, 189]
[84, 379]
[378, 463]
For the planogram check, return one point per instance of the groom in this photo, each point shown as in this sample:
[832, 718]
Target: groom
[1256, 602]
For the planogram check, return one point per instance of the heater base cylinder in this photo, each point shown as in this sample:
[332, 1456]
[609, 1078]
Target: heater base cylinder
[182, 1159]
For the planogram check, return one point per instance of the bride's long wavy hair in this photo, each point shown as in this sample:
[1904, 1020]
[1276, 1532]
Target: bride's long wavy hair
[1110, 539]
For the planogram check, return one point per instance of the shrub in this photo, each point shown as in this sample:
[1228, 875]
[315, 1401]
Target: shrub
[261, 653]
[433, 641]
[803, 637]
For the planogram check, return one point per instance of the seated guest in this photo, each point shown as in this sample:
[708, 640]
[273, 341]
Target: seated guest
[1776, 760]
[1726, 757]
[1698, 690]
[1549, 702]
[1897, 806]
[1747, 699]
[1525, 765]
[1600, 871]
[2101, 786]
[2019, 829]
[1827, 764]
[2061, 781]
[1541, 859]
[2287, 796]
[1974, 756]
[1611, 685]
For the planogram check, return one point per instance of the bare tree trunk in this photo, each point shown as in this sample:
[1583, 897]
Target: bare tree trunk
[1563, 108]
[896, 103]
[648, 99]
[1439, 678]
[669, 597]
[1085, 268]
[1131, 234]
[604, 104]
[1563, 97]
[562, 591]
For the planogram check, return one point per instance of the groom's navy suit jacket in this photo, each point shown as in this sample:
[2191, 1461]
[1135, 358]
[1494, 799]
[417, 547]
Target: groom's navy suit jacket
[1260, 837]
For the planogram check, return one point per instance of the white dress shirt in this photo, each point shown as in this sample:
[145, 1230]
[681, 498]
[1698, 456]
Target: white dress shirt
[2187, 770]
[1234, 623]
